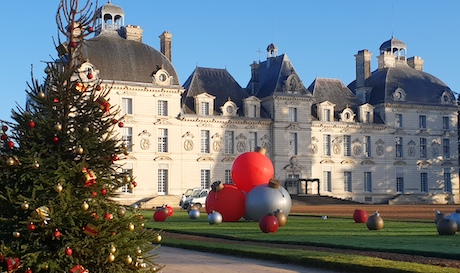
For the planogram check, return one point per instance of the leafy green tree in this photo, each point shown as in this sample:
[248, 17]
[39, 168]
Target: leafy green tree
[58, 175]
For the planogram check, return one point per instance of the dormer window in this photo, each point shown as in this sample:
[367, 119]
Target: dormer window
[326, 111]
[161, 77]
[251, 107]
[347, 115]
[229, 109]
[204, 104]
[446, 98]
[399, 95]
[366, 113]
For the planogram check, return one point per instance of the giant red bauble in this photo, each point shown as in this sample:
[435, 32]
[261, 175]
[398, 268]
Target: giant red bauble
[268, 223]
[360, 216]
[169, 209]
[251, 169]
[160, 215]
[229, 202]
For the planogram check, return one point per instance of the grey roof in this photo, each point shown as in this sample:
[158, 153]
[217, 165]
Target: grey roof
[109, 8]
[125, 60]
[272, 76]
[420, 87]
[216, 82]
[392, 43]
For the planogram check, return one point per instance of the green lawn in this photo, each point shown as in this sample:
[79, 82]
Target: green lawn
[401, 237]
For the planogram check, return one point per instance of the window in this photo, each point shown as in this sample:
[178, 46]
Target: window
[293, 144]
[228, 177]
[162, 108]
[347, 145]
[447, 180]
[292, 114]
[252, 141]
[446, 148]
[445, 123]
[399, 180]
[253, 112]
[229, 142]
[327, 145]
[367, 181]
[205, 141]
[162, 140]
[162, 181]
[204, 108]
[205, 179]
[423, 149]
[125, 188]
[399, 147]
[367, 115]
[128, 138]
[347, 184]
[398, 121]
[327, 114]
[424, 182]
[327, 181]
[367, 146]
[422, 122]
[127, 106]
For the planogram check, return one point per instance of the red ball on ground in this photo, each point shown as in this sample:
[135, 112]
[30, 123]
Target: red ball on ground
[229, 202]
[169, 209]
[268, 223]
[251, 169]
[360, 216]
[160, 215]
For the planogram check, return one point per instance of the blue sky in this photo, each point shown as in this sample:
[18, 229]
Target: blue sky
[319, 36]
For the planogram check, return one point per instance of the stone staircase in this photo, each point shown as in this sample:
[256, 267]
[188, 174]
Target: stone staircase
[160, 200]
[415, 199]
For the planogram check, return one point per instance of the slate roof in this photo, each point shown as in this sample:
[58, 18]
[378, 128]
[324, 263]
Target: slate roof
[272, 75]
[125, 60]
[216, 82]
[420, 87]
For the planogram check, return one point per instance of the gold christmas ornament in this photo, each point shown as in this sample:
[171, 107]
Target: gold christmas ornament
[58, 127]
[131, 186]
[121, 212]
[85, 206]
[130, 227]
[139, 251]
[16, 234]
[128, 260]
[112, 249]
[41, 95]
[58, 187]
[10, 161]
[86, 130]
[25, 205]
[142, 225]
[79, 150]
[111, 257]
[36, 165]
[158, 238]
[127, 179]
[126, 152]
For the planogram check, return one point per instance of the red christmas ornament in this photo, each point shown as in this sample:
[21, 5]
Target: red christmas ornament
[68, 251]
[55, 139]
[115, 158]
[89, 76]
[31, 227]
[4, 137]
[134, 184]
[252, 169]
[360, 216]
[98, 87]
[141, 217]
[57, 234]
[10, 144]
[115, 121]
[31, 124]
[108, 216]
[104, 191]
[29, 270]
[269, 223]
[230, 202]
[4, 128]
[160, 215]
[94, 193]
[90, 29]
[121, 124]
[55, 100]
[169, 209]
[73, 44]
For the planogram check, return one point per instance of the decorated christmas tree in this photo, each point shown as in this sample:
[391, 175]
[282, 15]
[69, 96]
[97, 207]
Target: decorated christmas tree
[61, 169]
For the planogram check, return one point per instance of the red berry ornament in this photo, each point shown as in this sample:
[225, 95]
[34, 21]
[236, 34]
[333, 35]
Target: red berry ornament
[104, 191]
[98, 88]
[94, 193]
[73, 44]
[10, 144]
[108, 216]
[31, 227]
[68, 251]
[29, 270]
[57, 234]
[55, 139]
[121, 124]
[89, 76]
[90, 29]
[31, 124]
[4, 137]
[4, 128]
[134, 184]
[115, 121]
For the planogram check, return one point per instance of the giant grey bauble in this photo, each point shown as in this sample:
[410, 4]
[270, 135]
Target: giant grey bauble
[263, 199]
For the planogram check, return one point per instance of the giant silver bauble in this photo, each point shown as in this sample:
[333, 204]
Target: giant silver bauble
[263, 199]
[194, 214]
[215, 218]
[456, 216]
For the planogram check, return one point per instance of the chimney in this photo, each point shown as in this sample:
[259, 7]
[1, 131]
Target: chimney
[416, 63]
[134, 33]
[254, 83]
[165, 44]
[363, 67]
